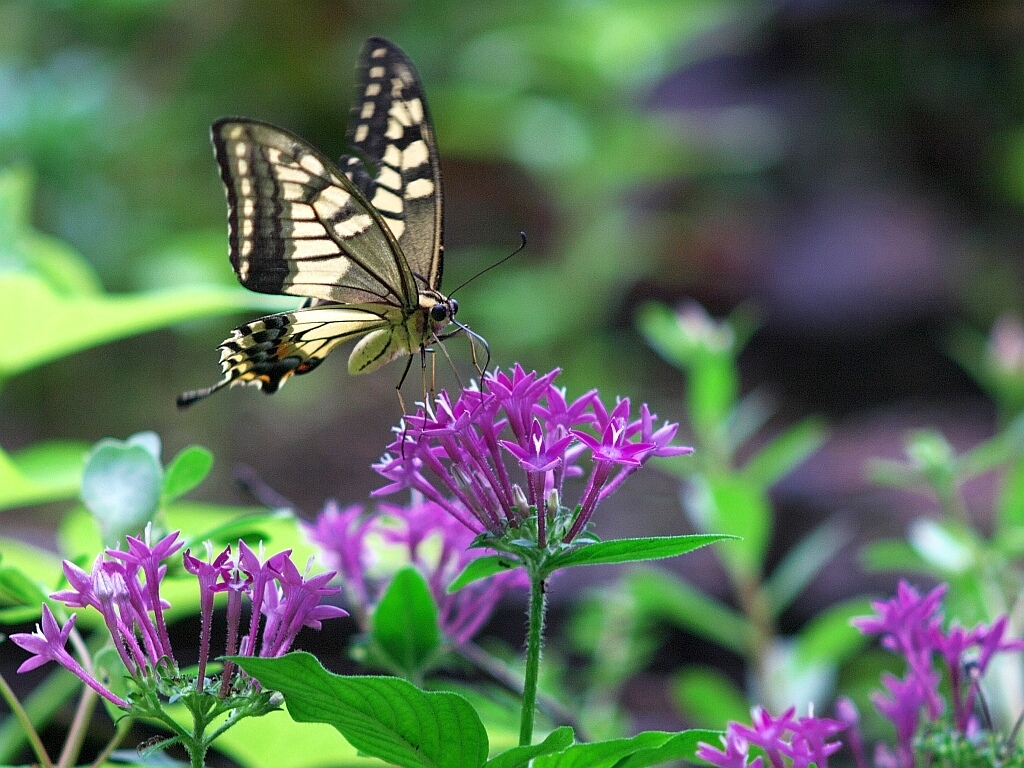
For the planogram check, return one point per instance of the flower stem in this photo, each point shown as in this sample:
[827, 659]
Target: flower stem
[22, 717]
[534, 639]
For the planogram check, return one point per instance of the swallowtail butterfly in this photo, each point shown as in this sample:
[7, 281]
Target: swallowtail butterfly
[361, 240]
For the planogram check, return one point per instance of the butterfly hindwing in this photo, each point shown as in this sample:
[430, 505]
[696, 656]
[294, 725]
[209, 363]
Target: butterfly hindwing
[267, 351]
[390, 127]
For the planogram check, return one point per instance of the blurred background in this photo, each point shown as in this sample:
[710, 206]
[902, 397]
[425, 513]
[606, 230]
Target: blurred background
[852, 173]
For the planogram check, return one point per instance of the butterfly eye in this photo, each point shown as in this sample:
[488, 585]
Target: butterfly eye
[439, 313]
[454, 305]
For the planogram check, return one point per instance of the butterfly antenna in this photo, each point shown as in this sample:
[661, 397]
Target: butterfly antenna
[498, 263]
[185, 399]
[483, 342]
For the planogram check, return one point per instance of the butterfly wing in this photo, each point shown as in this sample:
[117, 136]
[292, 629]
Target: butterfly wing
[364, 245]
[298, 226]
[267, 351]
[399, 171]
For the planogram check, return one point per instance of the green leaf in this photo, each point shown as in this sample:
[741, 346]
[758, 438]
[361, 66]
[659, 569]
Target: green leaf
[895, 555]
[482, 568]
[62, 325]
[802, 563]
[681, 746]
[186, 470]
[384, 717]
[666, 596]
[702, 347]
[709, 698]
[405, 627]
[43, 472]
[121, 487]
[829, 638]
[786, 451]
[633, 550]
[738, 506]
[644, 749]
[556, 741]
[65, 270]
[149, 440]
[1010, 510]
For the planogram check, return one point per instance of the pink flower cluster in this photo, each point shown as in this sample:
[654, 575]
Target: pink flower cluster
[497, 452]
[125, 588]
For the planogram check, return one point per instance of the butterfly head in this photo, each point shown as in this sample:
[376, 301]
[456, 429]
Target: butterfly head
[441, 310]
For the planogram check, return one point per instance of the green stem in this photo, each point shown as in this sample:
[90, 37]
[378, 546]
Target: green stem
[76, 733]
[534, 640]
[510, 679]
[22, 717]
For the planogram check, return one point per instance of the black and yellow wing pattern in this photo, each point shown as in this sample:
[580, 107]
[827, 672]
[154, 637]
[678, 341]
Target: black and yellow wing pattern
[360, 240]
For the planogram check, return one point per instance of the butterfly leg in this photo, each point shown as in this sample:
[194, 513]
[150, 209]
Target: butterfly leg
[401, 381]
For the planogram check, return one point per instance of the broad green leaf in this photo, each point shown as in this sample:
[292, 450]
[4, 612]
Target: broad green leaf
[62, 325]
[121, 487]
[149, 440]
[482, 568]
[405, 627]
[665, 596]
[709, 698]
[250, 741]
[681, 746]
[633, 550]
[1005, 446]
[802, 563]
[384, 717]
[949, 548]
[786, 451]
[644, 749]
[30, 477]
[186, 470]
[829, 638]
[520, 757]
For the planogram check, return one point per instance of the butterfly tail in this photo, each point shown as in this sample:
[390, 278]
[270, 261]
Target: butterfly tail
[185, 399]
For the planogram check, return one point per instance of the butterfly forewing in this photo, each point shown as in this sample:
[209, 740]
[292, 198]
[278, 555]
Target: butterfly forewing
[390, 127]
[298, 226]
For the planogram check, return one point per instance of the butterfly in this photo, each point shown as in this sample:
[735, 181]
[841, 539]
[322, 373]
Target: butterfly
[360, 240]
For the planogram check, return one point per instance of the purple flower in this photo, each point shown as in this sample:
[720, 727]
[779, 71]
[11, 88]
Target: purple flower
[47, 644]
[125, 588]
[293, 604]
[787, 741]
[848, 714]
[911, 624]
[903, 707]
[734, 755]
[515, 438]
[341, 535]
[434, 542]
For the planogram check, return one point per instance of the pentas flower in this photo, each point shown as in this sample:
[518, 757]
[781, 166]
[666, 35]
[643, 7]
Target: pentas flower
[786, 741]
[434, 542]
[501, 453]
[911, 624]
[125, 588]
